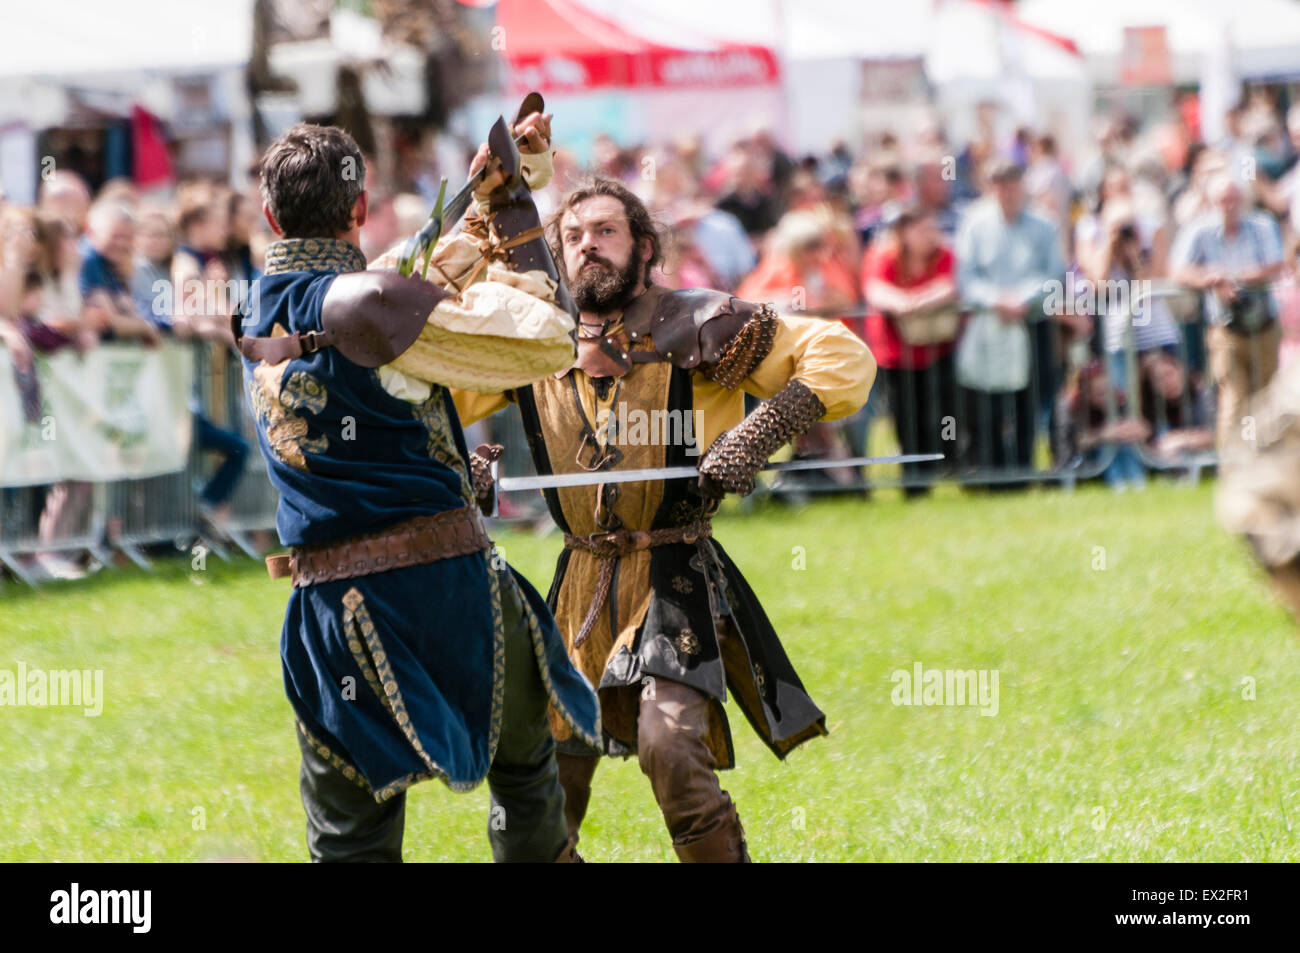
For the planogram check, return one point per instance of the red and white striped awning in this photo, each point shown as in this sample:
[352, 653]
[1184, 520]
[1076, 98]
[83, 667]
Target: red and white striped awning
[564, 46]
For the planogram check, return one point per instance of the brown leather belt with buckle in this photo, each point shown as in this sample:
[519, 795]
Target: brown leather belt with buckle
[608, 547]
[425, 539]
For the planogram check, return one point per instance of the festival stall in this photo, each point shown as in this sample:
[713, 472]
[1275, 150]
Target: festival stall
[604, 76]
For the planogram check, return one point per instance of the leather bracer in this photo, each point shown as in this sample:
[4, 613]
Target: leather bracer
[514, 214]
[737, 455]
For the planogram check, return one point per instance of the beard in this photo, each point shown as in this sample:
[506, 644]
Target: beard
[603, 289]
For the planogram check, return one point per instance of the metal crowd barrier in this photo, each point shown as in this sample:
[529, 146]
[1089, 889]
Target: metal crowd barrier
[1019, 443]
[136, 516]
[989, 441]
[20, 512]
[164, 510]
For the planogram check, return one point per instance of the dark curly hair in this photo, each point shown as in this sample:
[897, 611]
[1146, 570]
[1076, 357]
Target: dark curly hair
[638, 219]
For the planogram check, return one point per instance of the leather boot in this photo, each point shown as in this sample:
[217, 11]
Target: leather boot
[569, 852]
[725, 844]
[576, 773]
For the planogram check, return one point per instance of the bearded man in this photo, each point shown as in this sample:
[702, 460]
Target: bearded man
[653, 611]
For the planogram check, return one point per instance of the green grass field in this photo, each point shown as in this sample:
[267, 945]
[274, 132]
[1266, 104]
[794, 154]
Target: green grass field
[1125, 730]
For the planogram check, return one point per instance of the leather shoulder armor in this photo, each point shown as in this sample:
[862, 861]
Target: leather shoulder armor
[720, 334]
[370, 316]
[374, 316]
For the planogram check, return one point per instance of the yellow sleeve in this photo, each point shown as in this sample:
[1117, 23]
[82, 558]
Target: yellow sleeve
[472, 407]
[828, 358]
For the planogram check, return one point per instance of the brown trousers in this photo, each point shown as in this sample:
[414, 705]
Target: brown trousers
[1242, 365]
[672, 728]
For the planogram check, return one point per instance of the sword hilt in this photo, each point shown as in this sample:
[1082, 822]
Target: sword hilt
[503, 147]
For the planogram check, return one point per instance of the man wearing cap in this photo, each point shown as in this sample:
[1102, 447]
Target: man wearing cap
[410, 650]
[652, 609]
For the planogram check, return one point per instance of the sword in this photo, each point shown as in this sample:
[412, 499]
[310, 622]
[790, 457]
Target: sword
[557, 480]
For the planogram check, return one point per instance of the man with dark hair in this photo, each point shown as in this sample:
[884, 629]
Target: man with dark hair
[607, 288]
[652, 609]
[410, 649]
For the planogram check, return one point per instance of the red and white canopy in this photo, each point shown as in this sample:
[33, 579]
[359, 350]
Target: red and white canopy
[564, 46]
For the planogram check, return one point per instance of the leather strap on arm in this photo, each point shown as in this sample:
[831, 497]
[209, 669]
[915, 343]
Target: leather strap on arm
[372, 317]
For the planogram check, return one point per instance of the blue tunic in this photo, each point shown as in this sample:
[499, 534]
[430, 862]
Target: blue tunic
[397, 676]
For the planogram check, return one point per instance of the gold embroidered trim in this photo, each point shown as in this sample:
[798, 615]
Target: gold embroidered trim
[276, 404]
[498, 657]
[338, 763]
[440, 445]
[370, 656]
[313, 254]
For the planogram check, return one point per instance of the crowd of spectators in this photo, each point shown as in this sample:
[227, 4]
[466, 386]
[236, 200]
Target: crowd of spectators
[78, 271]
[942, 256]
[988, 276]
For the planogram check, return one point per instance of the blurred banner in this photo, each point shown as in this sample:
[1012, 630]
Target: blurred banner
[115, 413]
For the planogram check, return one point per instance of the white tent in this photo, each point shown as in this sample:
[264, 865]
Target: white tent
[979, 53]
[969, 49]
[798, 29]
[115, 51]
[821, 45]
[109, 56]
[1215, 43]
[83, 37]
[1265, 34]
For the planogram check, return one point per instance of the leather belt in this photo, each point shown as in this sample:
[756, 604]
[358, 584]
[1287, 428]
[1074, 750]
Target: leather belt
[425, 539]
[608, 547]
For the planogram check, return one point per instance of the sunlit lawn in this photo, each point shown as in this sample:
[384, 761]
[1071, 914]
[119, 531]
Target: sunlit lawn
[1147, 706]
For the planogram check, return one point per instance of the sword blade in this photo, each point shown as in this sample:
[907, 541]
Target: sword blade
[557, 480]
